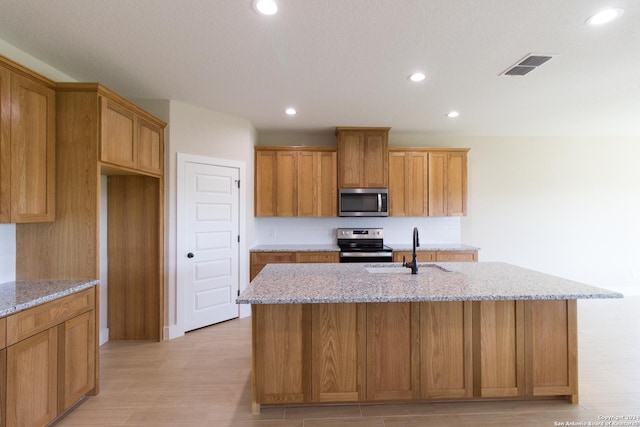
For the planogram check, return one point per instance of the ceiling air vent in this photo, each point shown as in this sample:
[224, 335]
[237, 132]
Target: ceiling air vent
[527, 64]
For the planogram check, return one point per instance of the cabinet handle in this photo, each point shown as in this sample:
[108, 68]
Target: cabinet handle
[190, 255]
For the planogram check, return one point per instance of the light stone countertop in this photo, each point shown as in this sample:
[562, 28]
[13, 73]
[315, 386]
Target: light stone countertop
[335, 248]
[23, 294]
[464, 281]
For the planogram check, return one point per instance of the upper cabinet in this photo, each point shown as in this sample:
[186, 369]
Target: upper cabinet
[428, 182]
[129, 140]
[295, 181]
[362, 157]
[27, 145]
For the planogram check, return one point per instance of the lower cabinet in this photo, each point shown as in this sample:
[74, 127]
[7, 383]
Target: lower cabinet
[260, 259]
[450, 350]
[50, 359]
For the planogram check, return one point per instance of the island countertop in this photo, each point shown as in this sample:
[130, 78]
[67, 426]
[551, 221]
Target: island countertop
[390, 282]
[22, 294]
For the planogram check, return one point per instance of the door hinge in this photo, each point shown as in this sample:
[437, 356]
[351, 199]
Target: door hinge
[238, 292]
[237, 182]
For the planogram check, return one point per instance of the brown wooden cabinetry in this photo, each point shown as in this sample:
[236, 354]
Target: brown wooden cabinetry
[362, 157]
[295, 181]
[428, 181]
[94, 123]
[27, 145]
[51, 359]
[128, 140]
[444, 350]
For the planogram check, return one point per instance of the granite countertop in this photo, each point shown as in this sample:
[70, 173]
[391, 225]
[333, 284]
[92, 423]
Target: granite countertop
[335, 248]
[464, 281]
[23, 294]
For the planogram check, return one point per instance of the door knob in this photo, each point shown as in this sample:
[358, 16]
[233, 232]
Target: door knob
[190, 255]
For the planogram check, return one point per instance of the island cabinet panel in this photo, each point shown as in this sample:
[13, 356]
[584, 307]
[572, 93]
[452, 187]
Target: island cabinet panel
[446, 350]
[282, 340]
[499, 348]
[338, 350]
[393, 362]
[551, 348]
[32, 380]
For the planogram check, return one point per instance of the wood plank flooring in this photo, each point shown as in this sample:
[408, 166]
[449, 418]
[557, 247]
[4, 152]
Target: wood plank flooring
[204, 379]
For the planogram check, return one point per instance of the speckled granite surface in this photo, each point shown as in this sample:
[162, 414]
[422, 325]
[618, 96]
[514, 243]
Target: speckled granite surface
[23, 294]
[464, 281]
[335, 248]
[433, 247]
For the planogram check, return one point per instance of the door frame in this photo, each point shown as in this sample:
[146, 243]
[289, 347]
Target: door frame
[243, 257]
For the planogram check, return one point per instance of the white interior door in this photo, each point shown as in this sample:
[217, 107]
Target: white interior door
[211, 248]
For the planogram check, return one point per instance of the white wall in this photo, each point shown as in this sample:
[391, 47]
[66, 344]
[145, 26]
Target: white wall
[207, 133]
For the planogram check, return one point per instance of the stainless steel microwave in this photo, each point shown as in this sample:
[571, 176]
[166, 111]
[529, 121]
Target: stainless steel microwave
[363, 202]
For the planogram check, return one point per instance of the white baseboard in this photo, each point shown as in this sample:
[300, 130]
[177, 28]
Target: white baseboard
[104, 335]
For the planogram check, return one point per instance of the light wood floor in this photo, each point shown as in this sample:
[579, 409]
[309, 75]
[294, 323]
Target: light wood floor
[203, 379]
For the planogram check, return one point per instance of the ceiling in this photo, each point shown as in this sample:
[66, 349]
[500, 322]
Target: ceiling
[346, 62]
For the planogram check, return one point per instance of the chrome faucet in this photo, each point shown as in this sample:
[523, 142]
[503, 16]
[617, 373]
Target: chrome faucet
[413, 265]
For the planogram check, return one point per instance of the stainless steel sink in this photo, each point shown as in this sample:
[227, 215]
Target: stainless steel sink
[384, 269]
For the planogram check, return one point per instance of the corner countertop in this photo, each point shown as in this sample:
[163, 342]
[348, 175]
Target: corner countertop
[445, 281]
[335, 248]
[22, 294]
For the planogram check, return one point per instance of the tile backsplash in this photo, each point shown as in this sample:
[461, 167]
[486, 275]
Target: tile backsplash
[321, 231]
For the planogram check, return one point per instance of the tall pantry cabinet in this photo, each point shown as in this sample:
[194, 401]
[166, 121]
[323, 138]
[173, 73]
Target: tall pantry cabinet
[101, 133]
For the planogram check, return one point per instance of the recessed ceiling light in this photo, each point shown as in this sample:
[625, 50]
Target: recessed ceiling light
[604, 16]
[265, 7]
[453, 114]
[290, 111]
[417, 77]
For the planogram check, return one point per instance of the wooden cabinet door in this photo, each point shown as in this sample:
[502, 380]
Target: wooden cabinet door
[32, 151]
[398, 191]
[351, 145]
[76, 355]
[281, 337]
[393, 362]
[265, 183]
[499, 366]
[32, 380]
[287, 183]
[408, 179]
[551, 345]
[5, 145]
[456, 184]
[118, 135]
[338, 352]
[375, 168]
[307, 184]
[327, 184]
[437, 184]
[446, 349]
[150, 147]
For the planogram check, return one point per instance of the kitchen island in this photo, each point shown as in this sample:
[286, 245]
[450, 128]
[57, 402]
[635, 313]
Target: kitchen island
[330, 333]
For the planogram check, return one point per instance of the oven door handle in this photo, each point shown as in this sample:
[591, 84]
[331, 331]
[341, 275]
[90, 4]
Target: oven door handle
[365, 254]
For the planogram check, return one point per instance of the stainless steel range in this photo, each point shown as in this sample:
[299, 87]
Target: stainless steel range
[363, 245]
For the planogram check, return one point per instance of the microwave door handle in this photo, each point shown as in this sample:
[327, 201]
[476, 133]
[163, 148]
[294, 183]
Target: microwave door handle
[379, 202]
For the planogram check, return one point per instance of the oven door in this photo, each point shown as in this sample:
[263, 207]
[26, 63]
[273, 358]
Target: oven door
[361, 256]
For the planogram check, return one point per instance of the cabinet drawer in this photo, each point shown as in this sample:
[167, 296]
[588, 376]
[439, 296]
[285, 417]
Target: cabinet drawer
[457, 256]
[272, 257]
[319, 257]
[29, 322]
